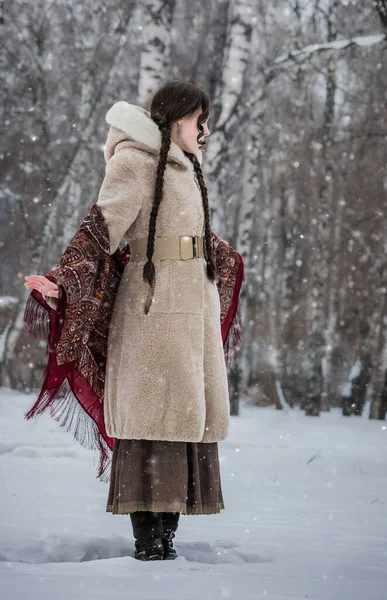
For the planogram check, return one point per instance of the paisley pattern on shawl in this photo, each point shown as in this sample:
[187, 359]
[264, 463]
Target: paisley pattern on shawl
[77, 330]
[229, 277]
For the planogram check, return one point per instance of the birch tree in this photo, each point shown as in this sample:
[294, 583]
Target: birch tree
[155, 22]
[228, 97]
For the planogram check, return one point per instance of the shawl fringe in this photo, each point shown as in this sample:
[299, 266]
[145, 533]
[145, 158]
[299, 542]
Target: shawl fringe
[66, 407]
[36, 319]
[67, 411]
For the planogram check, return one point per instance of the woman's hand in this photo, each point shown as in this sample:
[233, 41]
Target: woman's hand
[42, 284]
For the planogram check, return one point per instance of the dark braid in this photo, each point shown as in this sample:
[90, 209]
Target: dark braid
[172, 101]
[149, 273]
[208, 234]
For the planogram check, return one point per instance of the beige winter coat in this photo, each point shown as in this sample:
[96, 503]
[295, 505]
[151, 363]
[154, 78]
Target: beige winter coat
[166, 375]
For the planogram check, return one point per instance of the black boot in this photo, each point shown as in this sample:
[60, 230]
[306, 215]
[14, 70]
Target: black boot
[170, 523]
[148, 531]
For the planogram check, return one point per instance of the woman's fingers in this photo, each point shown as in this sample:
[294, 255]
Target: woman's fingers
[40, 279]
[34, 281]
[37, 277]
[40, 283]
[32, 286]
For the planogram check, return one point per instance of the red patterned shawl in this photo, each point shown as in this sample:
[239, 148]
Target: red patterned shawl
[77, 331]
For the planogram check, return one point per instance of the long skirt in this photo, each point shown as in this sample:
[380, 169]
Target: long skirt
[165, 476]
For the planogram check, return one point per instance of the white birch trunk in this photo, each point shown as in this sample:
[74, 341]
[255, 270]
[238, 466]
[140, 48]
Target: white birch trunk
[228, 96]
[154, 25]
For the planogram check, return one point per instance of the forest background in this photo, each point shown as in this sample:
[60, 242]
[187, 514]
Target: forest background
[296, 167]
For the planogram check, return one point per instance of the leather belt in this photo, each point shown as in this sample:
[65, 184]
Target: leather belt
[181, 247]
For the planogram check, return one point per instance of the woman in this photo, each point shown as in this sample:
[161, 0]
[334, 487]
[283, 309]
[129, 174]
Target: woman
[166, 399]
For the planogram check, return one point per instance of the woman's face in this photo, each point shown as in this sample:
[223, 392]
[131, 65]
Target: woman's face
[189, 132]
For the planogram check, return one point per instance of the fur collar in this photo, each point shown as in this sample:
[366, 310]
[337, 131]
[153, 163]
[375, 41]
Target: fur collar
[136, 122]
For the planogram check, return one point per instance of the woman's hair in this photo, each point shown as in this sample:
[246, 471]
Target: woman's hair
[171, 102]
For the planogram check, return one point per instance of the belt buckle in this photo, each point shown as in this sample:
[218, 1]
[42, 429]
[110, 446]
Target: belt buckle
[199, 246]
[186, 247]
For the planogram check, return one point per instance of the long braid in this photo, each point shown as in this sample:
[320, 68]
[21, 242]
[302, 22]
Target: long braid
[207, 224]
[149, 272]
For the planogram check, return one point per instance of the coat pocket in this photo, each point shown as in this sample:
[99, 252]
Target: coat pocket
[188, 286]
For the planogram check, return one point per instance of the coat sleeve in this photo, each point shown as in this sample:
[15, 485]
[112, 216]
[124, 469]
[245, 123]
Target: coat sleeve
[120, 196]
[52, 301]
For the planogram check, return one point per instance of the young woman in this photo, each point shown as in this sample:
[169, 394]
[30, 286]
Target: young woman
[166, 398]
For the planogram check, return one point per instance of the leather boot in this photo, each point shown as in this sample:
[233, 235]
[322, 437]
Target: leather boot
[147, 531]
[170, 522]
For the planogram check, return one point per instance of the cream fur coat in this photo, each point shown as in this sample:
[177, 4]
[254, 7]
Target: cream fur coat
[166, 376]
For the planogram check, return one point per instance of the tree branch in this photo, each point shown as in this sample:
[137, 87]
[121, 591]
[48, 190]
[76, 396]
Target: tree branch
[361, 41]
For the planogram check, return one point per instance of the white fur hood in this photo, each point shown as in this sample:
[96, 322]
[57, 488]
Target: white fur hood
[132, 123]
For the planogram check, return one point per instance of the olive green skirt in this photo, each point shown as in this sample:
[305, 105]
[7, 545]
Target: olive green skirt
[164, 476]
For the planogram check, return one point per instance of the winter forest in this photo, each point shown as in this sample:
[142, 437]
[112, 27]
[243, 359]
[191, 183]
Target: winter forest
[295, 166]
[296, 170]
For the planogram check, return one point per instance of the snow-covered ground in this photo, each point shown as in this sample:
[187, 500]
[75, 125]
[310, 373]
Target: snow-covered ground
[305, 517]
